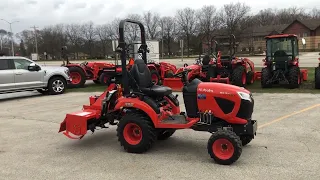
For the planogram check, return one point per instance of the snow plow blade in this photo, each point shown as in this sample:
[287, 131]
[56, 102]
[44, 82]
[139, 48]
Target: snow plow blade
[77, 123]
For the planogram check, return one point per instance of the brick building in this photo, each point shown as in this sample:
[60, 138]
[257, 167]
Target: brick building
[308, 29]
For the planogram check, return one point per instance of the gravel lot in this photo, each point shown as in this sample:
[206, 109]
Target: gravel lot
[286, 147]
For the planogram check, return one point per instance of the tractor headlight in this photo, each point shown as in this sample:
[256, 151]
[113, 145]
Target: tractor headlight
[245, 96]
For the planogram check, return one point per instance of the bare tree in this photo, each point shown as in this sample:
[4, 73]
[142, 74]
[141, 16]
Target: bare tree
[105, 33]
[187, 21]
[168, 23]
[315, 13]
[265, 17]
[152, 24]
[88, 35]
[73, 32]
[208, 21]
[132, 30]
[287, 15]
[231, 16]
[3, 33]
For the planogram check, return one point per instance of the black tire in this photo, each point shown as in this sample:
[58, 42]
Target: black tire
[104, 79]
[96, 81]
[156, 74]
[317, 78]
[246, 140]
[265, 77]
[149, 135]
[57, 85]
[233, 142]
[250, 77]
[165, 134]
[81, 75]
[237, 76]
[294, 77]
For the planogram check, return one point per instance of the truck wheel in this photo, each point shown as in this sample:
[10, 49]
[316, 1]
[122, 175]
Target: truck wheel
[224, 147]
[104, 79]
[317, 77]
[250, 77]
[239, 76]
[155, 77]
[78, 77]
[246, 140]
[294, 77]
[56, 85]
[265, 77]
[165, 134]
[136, 133]
[96, 81]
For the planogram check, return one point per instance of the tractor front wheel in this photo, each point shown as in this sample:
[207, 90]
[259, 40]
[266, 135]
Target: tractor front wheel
[239, 76]
[224, 147]
[136, 132]
[294, 77]
[250, 77]
[78, 77]
[265, 77]
[317, 78]
[165, 134]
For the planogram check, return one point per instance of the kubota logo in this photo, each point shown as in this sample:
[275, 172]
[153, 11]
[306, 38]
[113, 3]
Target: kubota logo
[205, 90]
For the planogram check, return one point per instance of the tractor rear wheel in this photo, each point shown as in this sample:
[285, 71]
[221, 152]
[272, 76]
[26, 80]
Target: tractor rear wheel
[317, 78]
[78, 77]
[136, 132]
[239, 76]
[165, 134]
[294, 77]
[155, 76]
[104, 79]
[265, 77]
[224, 147]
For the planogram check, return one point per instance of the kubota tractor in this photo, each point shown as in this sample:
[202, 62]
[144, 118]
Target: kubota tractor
[317, 75]
[145, 112]
[282, 62]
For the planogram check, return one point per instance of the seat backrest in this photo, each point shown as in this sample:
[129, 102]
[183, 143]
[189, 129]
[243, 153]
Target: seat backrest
[141, 74]
[206, 60]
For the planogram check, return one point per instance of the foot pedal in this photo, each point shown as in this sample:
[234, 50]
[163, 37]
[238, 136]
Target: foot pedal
[175, 119]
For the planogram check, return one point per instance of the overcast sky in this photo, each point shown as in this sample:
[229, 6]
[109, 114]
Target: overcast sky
[46, 12]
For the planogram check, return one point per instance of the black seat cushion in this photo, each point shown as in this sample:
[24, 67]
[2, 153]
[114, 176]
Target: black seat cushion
[156, 90]
[142, 79]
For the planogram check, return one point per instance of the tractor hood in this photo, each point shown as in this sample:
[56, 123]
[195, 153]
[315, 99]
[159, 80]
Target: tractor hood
[223, 89]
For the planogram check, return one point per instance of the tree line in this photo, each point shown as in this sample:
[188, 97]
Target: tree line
[95, 41]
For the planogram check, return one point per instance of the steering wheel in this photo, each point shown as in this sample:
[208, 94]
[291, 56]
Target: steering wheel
[182, 73]
[84, 63]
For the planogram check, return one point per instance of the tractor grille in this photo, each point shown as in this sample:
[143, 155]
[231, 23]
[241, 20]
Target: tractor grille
[246, 109]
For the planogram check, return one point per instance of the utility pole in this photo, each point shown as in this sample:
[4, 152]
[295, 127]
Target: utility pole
[12, 47]
[35, 38]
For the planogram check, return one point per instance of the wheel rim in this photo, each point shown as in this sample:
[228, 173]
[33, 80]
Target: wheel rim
[223, 149]
[132, 133]
[76, 77]
[244, 78]
[155, 78]
[58, 86]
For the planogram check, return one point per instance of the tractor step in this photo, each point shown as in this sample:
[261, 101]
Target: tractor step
[175, 119]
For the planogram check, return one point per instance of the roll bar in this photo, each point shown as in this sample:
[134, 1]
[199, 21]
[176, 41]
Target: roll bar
[122, 49]
[232, 43]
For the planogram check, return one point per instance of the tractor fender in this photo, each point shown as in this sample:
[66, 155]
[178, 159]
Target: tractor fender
[152, 66]
[136, 103]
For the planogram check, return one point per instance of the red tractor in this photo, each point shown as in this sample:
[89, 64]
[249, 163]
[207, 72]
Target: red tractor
[282, 62]
[317, 76]
[145, 112]
[82, 72]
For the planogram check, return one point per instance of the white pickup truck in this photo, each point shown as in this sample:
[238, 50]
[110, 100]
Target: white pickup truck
[19, 74]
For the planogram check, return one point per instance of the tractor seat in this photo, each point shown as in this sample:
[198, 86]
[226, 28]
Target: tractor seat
[142, 78]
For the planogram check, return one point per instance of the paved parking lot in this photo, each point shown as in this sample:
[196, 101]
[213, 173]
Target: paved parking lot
[286, 147]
